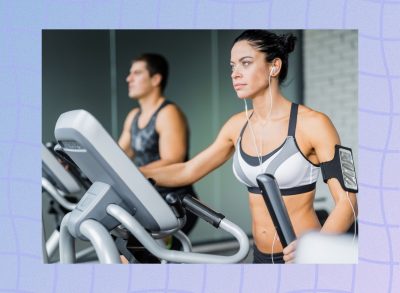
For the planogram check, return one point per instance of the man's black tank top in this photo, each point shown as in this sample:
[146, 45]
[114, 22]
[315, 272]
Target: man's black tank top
[144, 141]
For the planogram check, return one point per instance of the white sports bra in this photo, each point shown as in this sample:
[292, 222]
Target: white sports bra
[294, 173]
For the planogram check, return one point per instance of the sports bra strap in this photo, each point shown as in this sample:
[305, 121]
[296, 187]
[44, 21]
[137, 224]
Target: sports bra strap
[293, 119]
[245, 125]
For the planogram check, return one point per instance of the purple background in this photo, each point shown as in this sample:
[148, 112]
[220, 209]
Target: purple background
[21, 22]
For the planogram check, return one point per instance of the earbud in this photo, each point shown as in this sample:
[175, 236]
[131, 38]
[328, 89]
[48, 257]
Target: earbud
[272, 70]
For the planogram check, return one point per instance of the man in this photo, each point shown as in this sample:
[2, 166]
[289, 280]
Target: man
[156, 133]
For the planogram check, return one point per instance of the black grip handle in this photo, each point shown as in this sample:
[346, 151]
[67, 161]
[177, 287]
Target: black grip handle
[59, 151]
[173, 200]
[276, 207]
[202, 211]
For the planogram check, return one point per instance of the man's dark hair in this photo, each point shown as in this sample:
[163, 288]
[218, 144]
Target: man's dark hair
[155, 63]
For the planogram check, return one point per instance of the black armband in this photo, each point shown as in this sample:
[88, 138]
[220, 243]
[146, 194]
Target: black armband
[342, 168]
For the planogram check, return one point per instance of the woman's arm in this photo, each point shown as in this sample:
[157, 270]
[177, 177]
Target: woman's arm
[124, 141]
[182, 174]
[324, 138]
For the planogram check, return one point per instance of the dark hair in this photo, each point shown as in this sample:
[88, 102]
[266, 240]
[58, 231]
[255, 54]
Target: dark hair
[273, 45]
[155, 63]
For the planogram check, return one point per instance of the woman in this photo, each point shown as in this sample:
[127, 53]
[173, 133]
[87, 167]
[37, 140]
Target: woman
[278, 137]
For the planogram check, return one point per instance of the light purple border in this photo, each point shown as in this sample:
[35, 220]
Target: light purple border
[379, 153]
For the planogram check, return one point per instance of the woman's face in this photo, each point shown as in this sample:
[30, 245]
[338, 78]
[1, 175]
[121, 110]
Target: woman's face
[249, 70]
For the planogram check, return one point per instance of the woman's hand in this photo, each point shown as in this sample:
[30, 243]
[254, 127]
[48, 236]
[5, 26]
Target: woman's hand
[289, 252]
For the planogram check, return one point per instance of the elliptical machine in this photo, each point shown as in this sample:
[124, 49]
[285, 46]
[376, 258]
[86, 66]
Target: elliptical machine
[121, 195]
[63, 190]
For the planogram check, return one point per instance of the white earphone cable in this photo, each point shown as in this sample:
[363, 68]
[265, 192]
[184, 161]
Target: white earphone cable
[259, 152]
[253, 136]
[270, 93]
[272, 252]
[354, 215]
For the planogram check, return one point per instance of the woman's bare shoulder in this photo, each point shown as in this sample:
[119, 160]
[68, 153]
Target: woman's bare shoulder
[236, 121]
[238, 118]
[233, 124]
[311, 117]
[315, 124]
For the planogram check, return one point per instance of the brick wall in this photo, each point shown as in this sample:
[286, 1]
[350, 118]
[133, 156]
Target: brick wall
[331, 86]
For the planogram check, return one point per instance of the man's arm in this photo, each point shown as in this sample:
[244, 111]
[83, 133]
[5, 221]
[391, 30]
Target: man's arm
[171, 126]
[125, 139]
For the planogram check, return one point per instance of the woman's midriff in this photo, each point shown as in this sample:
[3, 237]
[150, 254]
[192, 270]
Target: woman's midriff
[301, 212]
